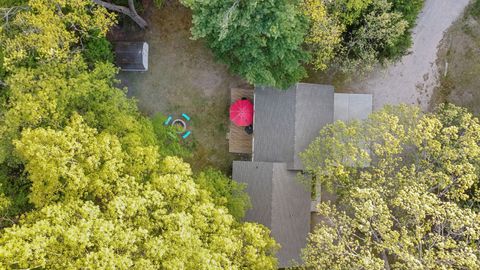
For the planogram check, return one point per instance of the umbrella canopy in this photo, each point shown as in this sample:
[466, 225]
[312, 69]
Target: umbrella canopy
[241, 113]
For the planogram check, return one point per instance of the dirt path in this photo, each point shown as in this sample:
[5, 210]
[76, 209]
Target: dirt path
[413, 79]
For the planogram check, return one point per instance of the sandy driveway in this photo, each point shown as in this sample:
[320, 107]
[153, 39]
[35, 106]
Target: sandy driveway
[413, 79]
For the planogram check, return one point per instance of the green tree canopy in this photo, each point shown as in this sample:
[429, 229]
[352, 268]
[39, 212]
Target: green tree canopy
[259, 40]
[51, 30]
[351, 36]
[408, 191]
[378, 28]
[325, 35]
[85, 181]
[92, 213]
[225, 192]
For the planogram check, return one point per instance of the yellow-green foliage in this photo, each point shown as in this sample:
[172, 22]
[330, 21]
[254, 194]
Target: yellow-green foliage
[225, 192]
[348, 11]
[99, 163]
[93, 213]
[51, 29]
[408, 186]
[325, 33]
[351, 36]
[84, 182]
[50, 94]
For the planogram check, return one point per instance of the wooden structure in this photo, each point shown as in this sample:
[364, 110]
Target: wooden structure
[238, 140]
[131, 56]
[286, 122]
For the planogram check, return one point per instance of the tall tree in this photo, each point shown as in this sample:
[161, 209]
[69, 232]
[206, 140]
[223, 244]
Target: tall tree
[51, 30]
[84, 181]
[93, 213]
[352, 36]
[259, 40]
[408, 187]
[325, 34]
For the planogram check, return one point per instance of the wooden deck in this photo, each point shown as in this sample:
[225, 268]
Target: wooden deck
[238, 140]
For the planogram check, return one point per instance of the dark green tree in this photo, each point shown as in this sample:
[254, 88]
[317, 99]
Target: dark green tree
[259, 40]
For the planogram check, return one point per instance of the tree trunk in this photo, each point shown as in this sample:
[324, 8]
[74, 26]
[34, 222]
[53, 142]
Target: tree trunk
[385, 260]
[384, 251]
[130, 11]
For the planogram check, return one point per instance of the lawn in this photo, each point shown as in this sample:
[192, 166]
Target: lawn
[459, 62]
[184, 77]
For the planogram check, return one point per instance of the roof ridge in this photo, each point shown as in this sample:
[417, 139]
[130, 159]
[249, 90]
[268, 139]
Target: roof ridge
[310, 87]
[295, 125]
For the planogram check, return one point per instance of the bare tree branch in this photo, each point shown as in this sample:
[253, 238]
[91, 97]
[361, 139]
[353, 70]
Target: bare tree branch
[384, 255]
[7, 13]
[130, 11]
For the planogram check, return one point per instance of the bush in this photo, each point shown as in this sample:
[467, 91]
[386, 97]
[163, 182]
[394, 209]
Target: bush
[474, 10]
[97, 49]
[370, 31]
[11, 3]
[225, 192]
[409, 10]
[378, 28]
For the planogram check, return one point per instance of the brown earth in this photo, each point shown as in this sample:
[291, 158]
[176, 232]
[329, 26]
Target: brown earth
[183, 77]
[459, 62]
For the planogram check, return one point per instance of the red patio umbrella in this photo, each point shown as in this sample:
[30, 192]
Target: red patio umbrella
[241, 112]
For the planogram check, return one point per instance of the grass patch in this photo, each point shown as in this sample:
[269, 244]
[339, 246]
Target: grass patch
[184, 77]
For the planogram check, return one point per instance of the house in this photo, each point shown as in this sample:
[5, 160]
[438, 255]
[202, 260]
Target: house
[285, 123]
[131, 56]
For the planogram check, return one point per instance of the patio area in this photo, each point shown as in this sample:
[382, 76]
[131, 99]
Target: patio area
[239, 141]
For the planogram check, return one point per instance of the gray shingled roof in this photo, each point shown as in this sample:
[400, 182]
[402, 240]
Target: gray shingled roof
[352, 106]
[314, 110]
[287, 121]
[274, 125]
[258, 177]
[279, 202]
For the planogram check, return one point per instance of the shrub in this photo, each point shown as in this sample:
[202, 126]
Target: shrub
[97, 49]
[225, 192]
[352, 36]
[475, 9]
[10, 3]
[378, 28]
[409, 10]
